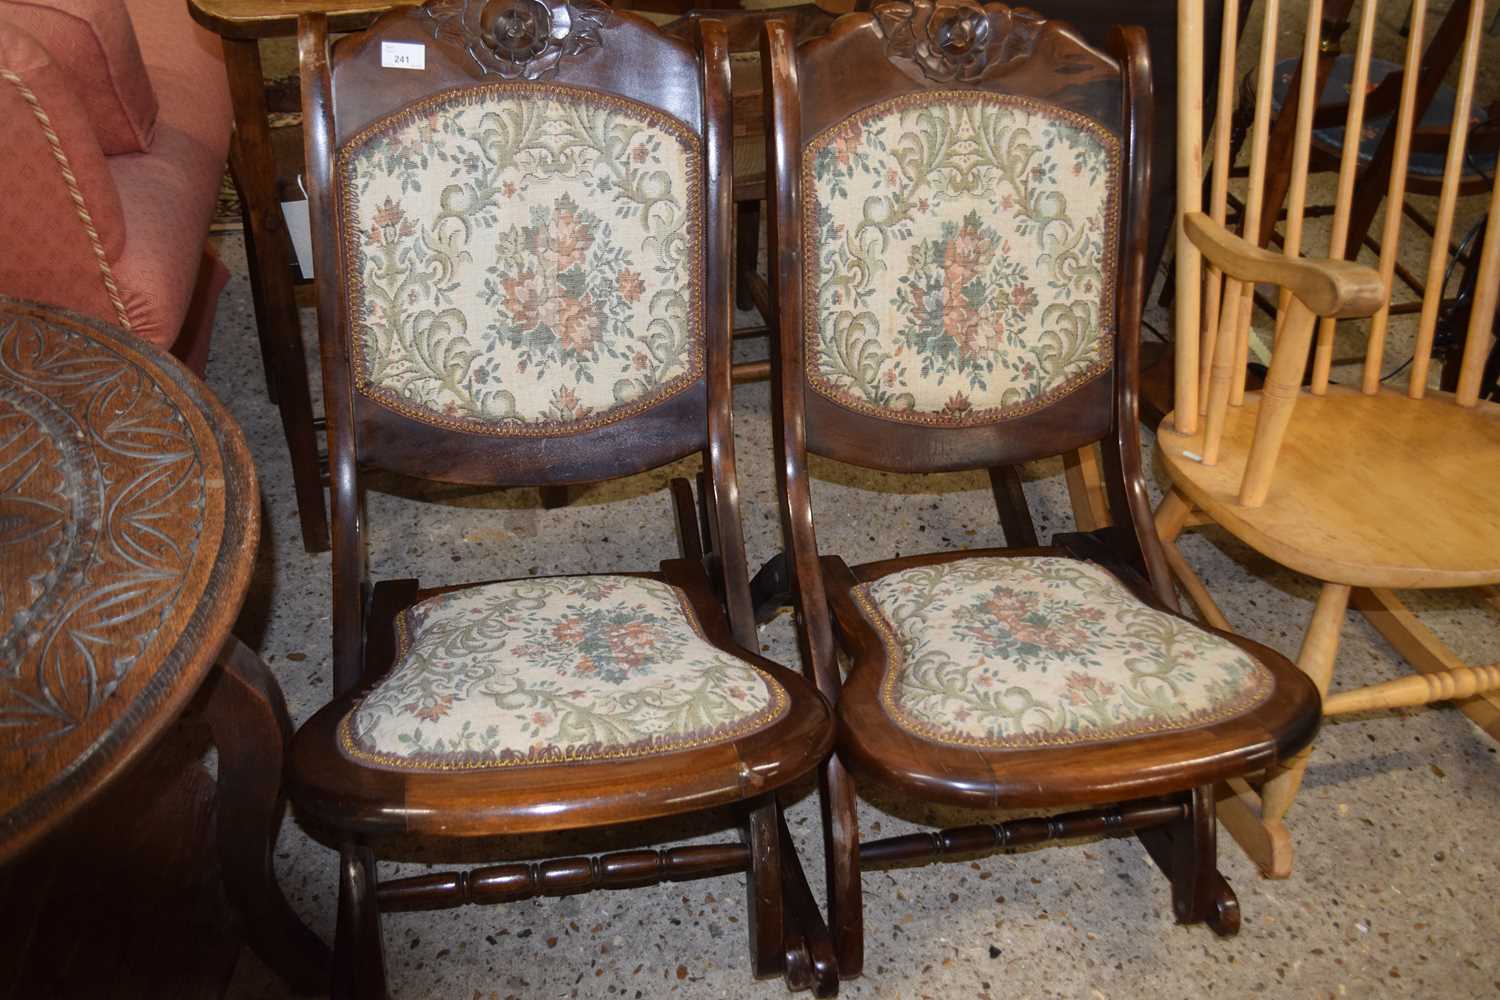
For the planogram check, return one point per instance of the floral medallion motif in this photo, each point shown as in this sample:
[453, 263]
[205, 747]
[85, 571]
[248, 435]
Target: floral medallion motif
[963, 250]
[523, 259]
[1038, 650]
[518, 38]
[555, 669]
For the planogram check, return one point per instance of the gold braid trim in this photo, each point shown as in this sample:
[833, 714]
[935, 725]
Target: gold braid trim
[110, 288]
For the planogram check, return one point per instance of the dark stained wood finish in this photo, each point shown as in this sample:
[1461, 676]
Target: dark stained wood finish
[248, 719]
[819, 84]
[123, 584]
[563, 877]
[344, 90]
[1185, 849]
[744, 27]
[87, 910]
[1010, 501]
[810, 960]
[277, 320]
[967, 841]
[246, 19]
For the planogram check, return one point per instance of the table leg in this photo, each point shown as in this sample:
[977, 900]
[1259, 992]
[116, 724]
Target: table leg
[276, 316]
[251, 728]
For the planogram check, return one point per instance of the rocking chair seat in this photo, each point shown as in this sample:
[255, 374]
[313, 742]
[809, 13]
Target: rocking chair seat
[555, 669]
[1370, 491]
[558, 702]
[974, 672]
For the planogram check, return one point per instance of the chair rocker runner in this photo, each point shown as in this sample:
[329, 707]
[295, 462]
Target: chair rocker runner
[959, 222]
[522, 256]
[1340, 480]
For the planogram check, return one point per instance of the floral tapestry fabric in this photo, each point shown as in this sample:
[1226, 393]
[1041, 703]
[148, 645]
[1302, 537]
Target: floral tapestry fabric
[523, 258]
[962, 249]
[1026, 651]
[555, 669]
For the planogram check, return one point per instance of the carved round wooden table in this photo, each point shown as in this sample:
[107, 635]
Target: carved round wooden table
[129, 519]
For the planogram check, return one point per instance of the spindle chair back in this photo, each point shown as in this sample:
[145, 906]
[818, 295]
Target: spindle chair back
[1332, 467]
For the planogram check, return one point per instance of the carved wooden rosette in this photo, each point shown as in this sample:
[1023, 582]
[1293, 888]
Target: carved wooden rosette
[955, 40]
[518, 39]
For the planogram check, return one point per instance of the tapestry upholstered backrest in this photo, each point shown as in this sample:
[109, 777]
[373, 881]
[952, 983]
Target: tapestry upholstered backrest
[522, 236]
[961, 205]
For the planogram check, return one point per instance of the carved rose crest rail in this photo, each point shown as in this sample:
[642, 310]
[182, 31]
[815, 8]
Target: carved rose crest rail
[518, 39]
[956, 40]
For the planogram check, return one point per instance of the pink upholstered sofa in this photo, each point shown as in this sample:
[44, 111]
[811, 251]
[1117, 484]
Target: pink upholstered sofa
[116, 119]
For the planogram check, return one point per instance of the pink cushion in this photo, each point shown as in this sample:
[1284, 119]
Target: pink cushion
[169, 193]
[95, 44]
[49, 254]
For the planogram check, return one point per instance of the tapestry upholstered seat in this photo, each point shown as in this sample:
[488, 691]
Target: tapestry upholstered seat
[1000, 653]
[552, 670]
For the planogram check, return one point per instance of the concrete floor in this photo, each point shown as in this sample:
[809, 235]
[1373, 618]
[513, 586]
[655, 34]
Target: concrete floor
[1396, 856]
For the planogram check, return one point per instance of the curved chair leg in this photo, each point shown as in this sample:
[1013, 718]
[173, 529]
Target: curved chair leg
[1187, 851]
[810, 961]
[1171, 517]
[1320, 647]
[1256, 822]
[763, 890]
[841, 851]
[1010, 503]
[250, 727]
[358, 951]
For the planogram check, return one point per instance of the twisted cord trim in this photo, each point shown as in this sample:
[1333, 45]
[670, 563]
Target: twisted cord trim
[105, 272]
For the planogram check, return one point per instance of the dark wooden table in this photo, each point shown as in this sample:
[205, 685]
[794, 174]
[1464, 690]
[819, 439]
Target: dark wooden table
[129, 520]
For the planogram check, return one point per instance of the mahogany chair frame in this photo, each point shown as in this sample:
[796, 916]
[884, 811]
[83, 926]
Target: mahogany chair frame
[1164, 782]
[344, 90]
[751, 291]
[1332, 481]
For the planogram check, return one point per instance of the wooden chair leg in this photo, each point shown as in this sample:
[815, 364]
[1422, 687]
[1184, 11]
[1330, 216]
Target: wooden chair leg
[841, 853]
[250, 727]
[746, 250]
[1256, 823]
[1010, 502]
[810, 962]
[1320, 647]
[763, 887]
[771, 588]
[276, 316]
[689, 538]
[263, 333]
[1086, 488]
[1171, 517]
[358, 951]
[1187, 851]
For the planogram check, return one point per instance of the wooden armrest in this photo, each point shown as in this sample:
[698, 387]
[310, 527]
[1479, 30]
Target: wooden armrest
[1336, 288]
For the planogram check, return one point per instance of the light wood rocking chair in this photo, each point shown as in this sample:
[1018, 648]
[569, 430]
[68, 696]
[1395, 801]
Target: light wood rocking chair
[1358, 485]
